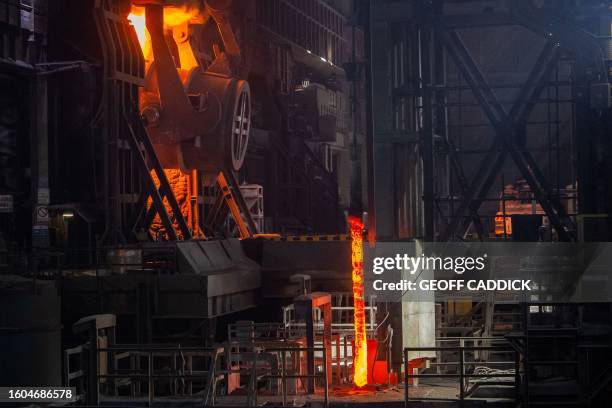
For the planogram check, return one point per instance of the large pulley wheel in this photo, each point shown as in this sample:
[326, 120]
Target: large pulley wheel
[217, 135]
[241, 126]
[224, 146]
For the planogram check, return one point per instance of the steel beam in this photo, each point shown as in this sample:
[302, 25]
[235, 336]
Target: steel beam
[238, 207]
[469, 69]
[519, 112]
[493, 19]
[505, 126]
[494, 111]
[427, 132]
[566, 31]
[464, 186]
[158, 203]
[164, 190]
[230, 200]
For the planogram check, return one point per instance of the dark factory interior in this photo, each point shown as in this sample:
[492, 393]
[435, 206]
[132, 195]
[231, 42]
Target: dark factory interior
[196, 197]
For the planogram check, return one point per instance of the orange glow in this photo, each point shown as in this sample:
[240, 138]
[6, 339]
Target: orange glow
[175, 19]
[360, 354]
[526, 205]
[184, 187]
[137, 18]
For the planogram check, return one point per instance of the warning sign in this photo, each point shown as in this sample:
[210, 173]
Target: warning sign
[42, 214]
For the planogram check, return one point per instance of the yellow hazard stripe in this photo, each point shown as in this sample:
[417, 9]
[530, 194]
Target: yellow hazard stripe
[308, 238]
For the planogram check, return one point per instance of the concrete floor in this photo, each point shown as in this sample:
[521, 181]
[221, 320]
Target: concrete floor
[439, 394]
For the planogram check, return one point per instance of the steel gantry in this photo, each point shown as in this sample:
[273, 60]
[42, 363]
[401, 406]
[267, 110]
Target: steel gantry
[509, 126]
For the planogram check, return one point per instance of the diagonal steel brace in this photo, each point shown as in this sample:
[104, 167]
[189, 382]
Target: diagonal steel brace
[505, 126]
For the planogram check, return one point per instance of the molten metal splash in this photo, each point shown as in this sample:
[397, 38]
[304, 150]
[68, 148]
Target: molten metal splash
[137, 18]
[360, 359]
[174, 18]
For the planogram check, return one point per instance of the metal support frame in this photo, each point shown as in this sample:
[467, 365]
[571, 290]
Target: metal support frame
[507, 126]
[310, 376]
[427, 130]
[303, 190]
[464, 186]
[137, 138]
[495, 158]
[230, 195]
[574, 37]
[304, 309]
[123, 73]
[461, 365]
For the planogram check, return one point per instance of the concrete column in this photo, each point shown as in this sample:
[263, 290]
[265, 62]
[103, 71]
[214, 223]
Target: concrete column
[39, 162]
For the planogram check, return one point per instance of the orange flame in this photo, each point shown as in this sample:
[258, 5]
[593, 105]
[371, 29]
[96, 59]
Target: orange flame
[360, 354]
[137, 18]
[174, 17]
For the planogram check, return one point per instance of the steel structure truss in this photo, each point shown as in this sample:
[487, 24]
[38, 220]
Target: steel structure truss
[508, 127]
[149, 163]
[229, 201]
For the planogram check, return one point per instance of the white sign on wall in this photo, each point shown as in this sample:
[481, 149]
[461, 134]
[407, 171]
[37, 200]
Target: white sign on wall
[42, 214]
[6, 203]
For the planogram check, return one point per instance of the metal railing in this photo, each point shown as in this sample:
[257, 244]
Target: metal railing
[206, 377]
[110, 375]
[145, 371]
[262, 334]
[293, 327]
[284, 376]
[55, 263]
[473, 341]
[78, 376]
[250, 331]
[461, 365]
[245, 358]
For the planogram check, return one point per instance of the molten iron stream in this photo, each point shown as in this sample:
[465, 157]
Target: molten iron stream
[175, 18]
[137, 18]
[360, 353]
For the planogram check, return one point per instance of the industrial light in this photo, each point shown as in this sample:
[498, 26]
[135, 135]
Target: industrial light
[323, 59]
[308, 51]
[68, 215]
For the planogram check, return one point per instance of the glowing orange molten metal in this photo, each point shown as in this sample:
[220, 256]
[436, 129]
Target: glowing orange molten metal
[137, 18]
[360, 353]
[176, 19]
